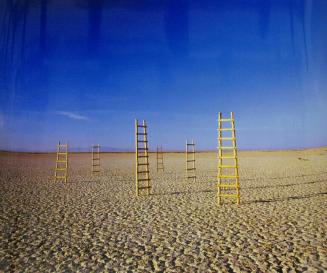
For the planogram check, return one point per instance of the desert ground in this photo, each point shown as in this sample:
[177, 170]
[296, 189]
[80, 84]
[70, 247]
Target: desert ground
[95, 223]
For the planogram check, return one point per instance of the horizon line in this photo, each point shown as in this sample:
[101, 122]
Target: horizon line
[167, 151]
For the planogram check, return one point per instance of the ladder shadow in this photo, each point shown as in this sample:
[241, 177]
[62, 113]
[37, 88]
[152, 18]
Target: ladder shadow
[286, 185]
[83, 182]
[286, 198]
[184, 192]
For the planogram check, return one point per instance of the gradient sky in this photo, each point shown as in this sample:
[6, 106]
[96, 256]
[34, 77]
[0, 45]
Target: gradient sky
[83, 70]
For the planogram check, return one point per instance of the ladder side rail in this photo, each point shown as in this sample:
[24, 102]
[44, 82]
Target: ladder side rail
[57, 161]
[193, 162]
[235, 159]
[162, 159]
[66, 171]
[219, 157]
[92, 162]
[157, 158]
[186, 158]
[147, 156]
[136, 158]
[98, 157]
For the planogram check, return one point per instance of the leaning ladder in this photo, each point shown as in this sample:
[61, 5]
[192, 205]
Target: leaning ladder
[160, 162]
[228, 176]
[190, 161]
[96, 159]
[142, 178]
[61, 170]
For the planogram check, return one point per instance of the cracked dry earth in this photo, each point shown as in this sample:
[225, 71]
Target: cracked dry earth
[97, 224]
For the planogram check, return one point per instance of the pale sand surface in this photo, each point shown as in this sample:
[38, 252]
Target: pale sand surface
[93, 225]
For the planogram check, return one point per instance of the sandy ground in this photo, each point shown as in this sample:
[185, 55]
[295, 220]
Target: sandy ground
[97, 224]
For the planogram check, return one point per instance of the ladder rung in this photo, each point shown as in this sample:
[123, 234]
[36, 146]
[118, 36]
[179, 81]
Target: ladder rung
[228, 176]
[61, 145]
[143, 179]
[190, 169]
[227, 195]
[61, 177]
[142, 156]
[226, 147]
[191, 160]
[143, 172]
[228, 157]
[191, 176]
[142, 149]
[228, 166]
[143, 188]
[225, 129]
[226, 119]
[141, 126]
[96, 165]
[61, 169]
[61, 161]
[95, 171]
[143, 141]
[227, 186]
[62, 153]
[227, 138]
[141, 134]
[142, 164]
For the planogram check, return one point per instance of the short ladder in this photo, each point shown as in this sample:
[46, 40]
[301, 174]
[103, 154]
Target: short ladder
[61, 171]
[190, 161]
[160, 162]
[96, 159]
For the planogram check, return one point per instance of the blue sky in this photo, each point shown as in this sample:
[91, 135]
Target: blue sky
[82, 71]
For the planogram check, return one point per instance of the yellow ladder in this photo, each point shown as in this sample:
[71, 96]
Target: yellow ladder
[228, 175]
[96, 159]
[160, 162]
[190, 160]
[61, 170]
[142, 178]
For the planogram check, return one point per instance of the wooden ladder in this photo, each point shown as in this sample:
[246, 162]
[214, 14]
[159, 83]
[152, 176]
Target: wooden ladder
[142, 178]
[160, 162]
[61, 171]
[190, 160]
[96, 159]
[228, 175]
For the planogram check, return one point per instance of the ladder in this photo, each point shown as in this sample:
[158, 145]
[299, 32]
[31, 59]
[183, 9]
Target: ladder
[160, 162]
[96, 159]
[190, 161]
[142, 178]
[61, 170]
[228, 176]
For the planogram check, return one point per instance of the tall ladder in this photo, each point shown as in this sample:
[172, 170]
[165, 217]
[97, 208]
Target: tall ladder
[160, 162]
[96, 159]
[61, 171]
[142, 178]
[228, 176]
[190, 160]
